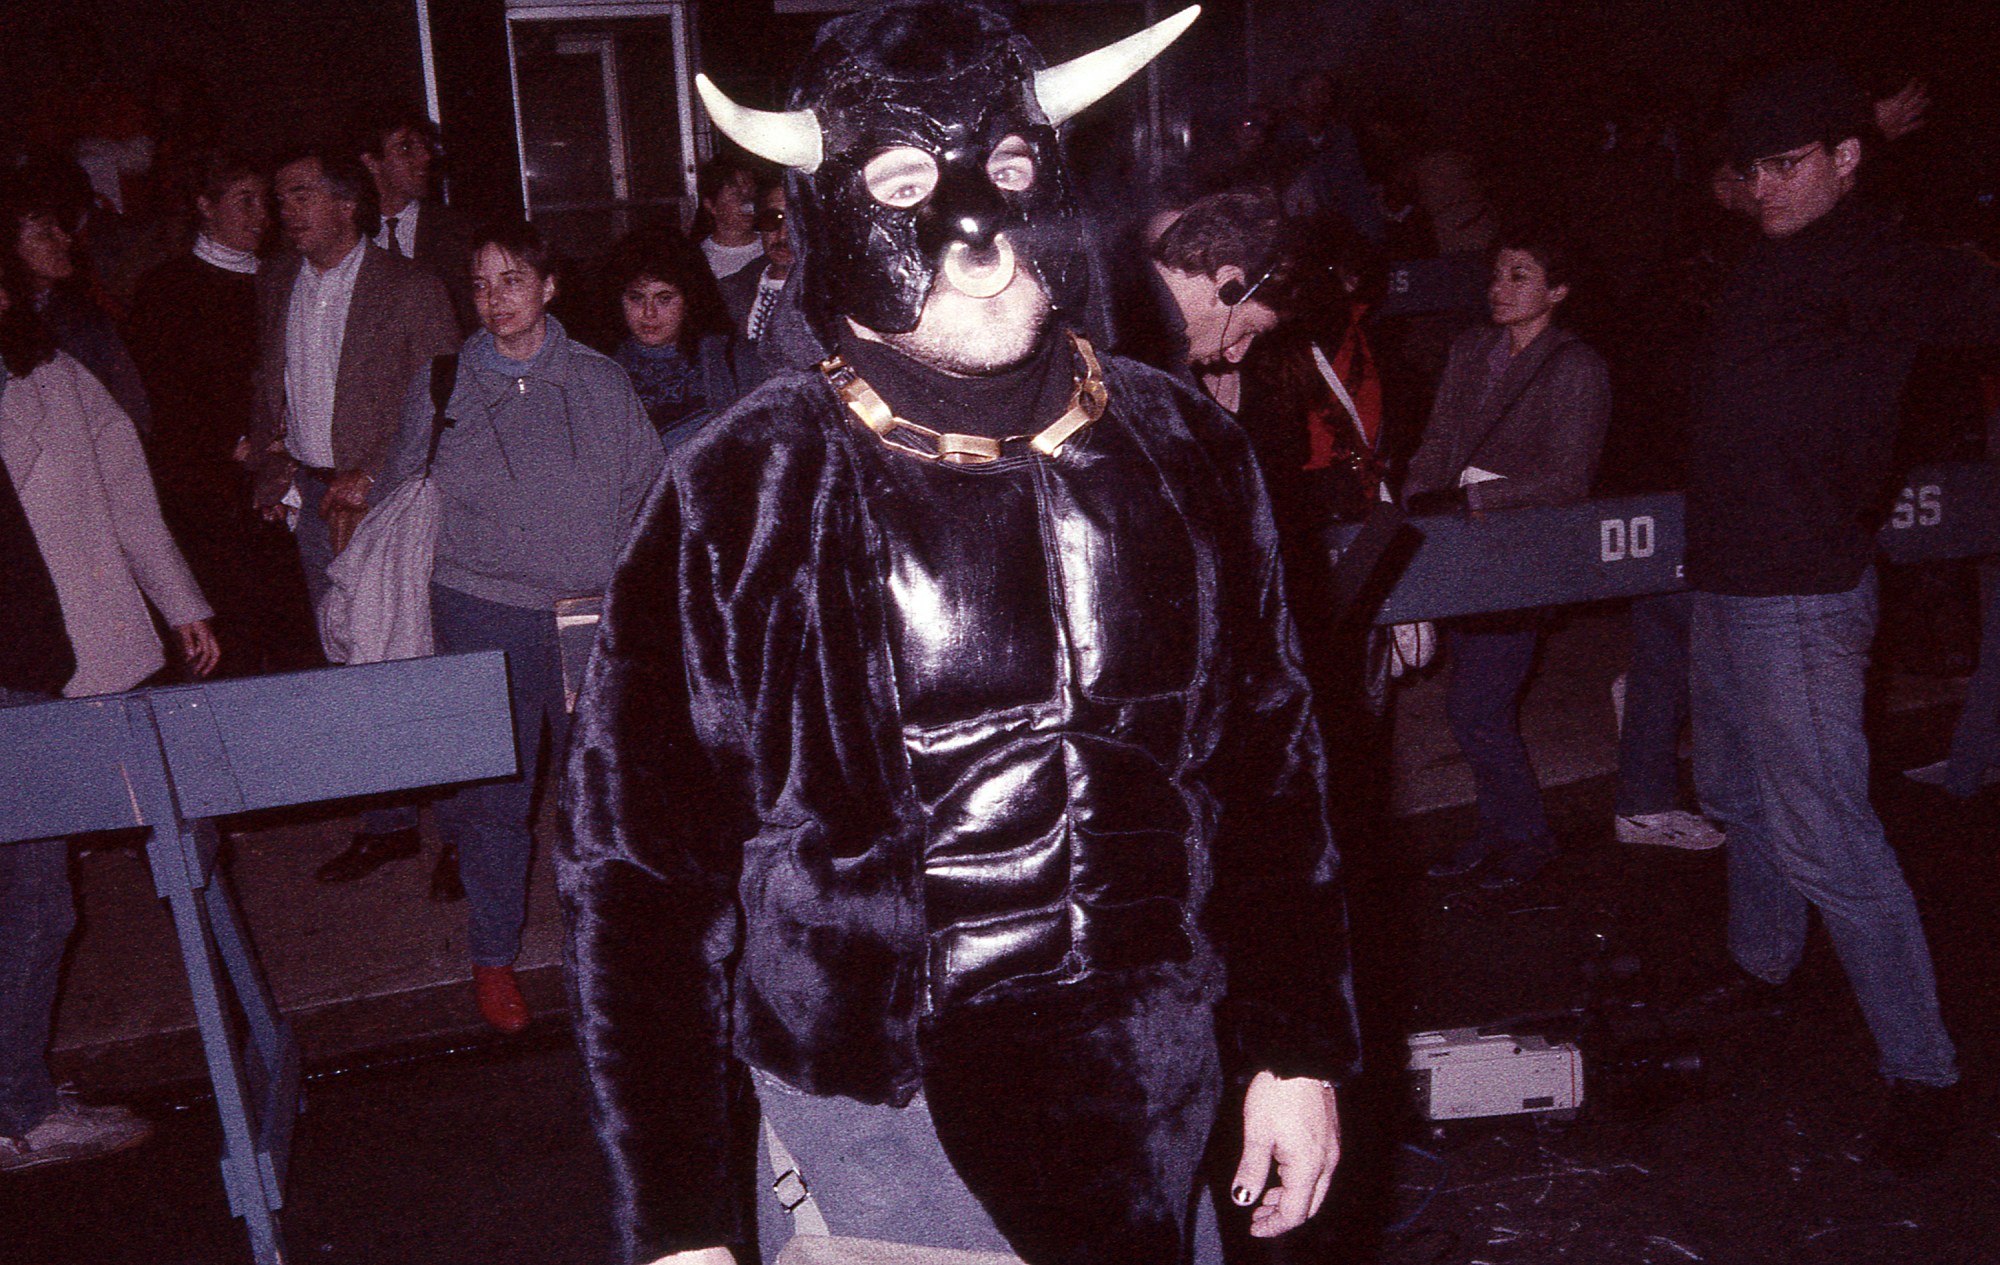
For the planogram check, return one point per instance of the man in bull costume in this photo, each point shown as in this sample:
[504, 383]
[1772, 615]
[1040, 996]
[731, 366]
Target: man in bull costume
[945, 790]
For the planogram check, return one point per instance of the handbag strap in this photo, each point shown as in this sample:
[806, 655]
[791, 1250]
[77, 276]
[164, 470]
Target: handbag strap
[444, 376]
[789, 1186]
[1507, 405]
[1339, 388]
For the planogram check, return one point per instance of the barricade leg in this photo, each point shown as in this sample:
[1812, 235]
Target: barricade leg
[251, 1178]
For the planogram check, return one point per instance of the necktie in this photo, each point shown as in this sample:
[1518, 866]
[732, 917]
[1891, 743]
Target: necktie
[395, 244]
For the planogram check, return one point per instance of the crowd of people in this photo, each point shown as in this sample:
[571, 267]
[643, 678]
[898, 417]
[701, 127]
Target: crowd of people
[187, 462]
[196, 455]
[1761, 361]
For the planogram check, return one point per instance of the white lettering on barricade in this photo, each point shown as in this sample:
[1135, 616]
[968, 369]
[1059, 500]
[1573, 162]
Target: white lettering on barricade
[1619, 538]
[1611, 543]
[1918, 507]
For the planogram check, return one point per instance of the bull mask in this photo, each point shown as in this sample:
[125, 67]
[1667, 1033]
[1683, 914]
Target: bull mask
[950, 82]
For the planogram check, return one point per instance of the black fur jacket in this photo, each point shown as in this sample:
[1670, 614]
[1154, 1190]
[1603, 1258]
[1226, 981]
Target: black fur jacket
[758, 817]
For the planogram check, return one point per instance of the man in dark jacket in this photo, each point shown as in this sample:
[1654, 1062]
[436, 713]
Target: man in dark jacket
[398, 145]
[751, 294]
[945, 787]
[1794, 415]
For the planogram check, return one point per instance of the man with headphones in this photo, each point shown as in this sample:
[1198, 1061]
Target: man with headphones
[1224, 262]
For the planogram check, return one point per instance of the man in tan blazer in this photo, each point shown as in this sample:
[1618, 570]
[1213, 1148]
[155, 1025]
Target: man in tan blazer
[344, 328]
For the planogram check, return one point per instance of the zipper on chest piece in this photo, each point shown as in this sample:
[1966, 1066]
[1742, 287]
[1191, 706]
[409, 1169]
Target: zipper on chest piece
[521, 386]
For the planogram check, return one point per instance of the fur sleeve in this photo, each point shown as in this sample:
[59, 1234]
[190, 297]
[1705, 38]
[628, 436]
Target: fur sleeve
[1276, 911]
[656, 799]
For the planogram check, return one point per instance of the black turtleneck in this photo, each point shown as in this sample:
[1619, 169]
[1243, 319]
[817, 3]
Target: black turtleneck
[1792, 433]
[1018, 400]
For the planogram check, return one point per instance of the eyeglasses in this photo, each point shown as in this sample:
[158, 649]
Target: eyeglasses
[1780, 166]
[768, 220]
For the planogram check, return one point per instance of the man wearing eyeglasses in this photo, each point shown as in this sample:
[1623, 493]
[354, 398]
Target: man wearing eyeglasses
[1794, 417]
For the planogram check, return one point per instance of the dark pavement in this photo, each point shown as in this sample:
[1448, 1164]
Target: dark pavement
[1740, 1144]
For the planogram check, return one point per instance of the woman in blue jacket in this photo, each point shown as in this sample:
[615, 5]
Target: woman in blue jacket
[680, 346]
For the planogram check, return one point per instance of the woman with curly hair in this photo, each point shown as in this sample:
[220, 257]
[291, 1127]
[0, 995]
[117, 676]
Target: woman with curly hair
[679, 345]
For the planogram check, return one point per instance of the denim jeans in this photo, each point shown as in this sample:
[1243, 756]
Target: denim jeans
[315, 539]
[1781, 758]
[493, 822]
[1656, 705]
[37, 913]
[1489, 669]
[880, 1172]
[314, 536]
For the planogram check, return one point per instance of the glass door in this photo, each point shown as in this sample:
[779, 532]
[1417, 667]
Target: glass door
[602, 92]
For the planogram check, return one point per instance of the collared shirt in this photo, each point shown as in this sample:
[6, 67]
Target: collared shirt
[404, 226]
[315, 326]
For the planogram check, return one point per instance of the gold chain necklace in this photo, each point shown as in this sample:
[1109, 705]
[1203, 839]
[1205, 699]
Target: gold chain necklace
[1086, 405]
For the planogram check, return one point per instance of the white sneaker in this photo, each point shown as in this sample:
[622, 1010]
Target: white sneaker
[1677, 828]
[74, 1132]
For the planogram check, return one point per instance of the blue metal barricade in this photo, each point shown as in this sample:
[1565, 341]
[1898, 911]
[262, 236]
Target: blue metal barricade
[1628, 546]
[171, 760]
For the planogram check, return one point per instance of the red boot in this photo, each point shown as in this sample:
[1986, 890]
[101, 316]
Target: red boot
[500, 1000]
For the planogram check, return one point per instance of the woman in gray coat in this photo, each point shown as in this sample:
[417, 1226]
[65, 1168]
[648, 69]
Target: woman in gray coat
[541, 472]
[1519, 421]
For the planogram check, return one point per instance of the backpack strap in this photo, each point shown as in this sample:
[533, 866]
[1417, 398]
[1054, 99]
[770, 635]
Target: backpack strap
[444, 376]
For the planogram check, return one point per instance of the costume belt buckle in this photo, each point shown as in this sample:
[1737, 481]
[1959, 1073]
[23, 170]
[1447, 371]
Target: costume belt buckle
[787, 1182]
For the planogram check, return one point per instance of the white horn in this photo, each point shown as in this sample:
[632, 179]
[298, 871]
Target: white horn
[790, 139]
[1068, 90]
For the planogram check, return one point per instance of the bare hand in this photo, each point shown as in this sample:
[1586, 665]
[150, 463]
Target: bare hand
[199, 649]
[340, 526]
[274, 511]
[1899, 115]
[699, 1256]
[348, 491]
[344, 505]
[1294, 1125]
